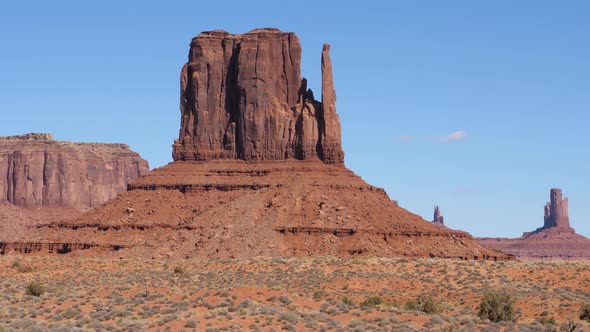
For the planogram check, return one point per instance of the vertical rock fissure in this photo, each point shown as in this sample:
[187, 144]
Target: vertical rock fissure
[234, 94]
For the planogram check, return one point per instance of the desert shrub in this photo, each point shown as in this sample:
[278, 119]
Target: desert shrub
[178, 270]
[35, 288]
[372, 302]
[570, 326]
[190, 323]
[545, 319]
[497, 307]
[290, 317]
[585, 312]
[317, 295]
[347, 301]
[285, 300]
[424, 303]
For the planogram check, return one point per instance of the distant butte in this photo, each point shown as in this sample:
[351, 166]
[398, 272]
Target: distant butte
[555, 240]
[258, 171]
[42, 179]
[38, 171]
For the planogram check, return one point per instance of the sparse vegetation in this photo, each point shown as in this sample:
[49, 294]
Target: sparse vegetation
[424, 303]
[359, 294]
[35, 288]
[497, 307]
[371, 302]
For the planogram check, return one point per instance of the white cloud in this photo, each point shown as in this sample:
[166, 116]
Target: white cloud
[455, 136]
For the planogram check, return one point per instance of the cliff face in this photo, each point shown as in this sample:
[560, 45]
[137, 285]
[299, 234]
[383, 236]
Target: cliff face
[242, 97]
[36, 171]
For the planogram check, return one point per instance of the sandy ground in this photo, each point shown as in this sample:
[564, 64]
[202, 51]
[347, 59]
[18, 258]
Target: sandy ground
[272, 294]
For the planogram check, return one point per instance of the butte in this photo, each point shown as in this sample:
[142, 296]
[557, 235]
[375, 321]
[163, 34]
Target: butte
[555, 240]
[258, 170]
[44, 180]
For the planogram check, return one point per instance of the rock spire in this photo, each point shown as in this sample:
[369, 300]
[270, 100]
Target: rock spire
[437, 217]
[556, 210]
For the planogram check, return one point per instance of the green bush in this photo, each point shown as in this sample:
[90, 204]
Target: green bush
[34, 288]
[497, 307]
[178, 270]
[424, 303]
[372, 302]
[347, 301]
[585, 312]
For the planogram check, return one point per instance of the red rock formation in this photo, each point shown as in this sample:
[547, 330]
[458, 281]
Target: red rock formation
[242, 97]
[437, 217]
[16, 222]
[556, 211]
[258, 171]
[555, 240]
[438, 220]
[36, 171]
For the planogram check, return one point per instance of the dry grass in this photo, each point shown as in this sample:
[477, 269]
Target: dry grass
[266, 294]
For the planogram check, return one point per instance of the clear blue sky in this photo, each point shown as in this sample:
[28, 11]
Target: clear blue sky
[478, 106]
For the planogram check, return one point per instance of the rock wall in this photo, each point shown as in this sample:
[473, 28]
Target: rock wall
[37, 171]
[242, 97]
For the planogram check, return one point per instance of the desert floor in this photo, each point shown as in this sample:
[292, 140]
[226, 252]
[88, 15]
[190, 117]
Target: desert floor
[273, 294]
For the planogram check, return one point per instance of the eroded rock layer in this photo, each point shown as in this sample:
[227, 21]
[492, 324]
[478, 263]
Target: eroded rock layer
[239, 209]
[242, 97]
[37, 171]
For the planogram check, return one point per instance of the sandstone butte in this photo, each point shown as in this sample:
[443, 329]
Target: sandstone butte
[258, 170]
[555, 240]
[44, 180]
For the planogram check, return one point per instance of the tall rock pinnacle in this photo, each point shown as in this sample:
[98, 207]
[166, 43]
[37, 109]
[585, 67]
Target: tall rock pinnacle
[437, 217]
[332, 151]
[556, 211]
[242, 97]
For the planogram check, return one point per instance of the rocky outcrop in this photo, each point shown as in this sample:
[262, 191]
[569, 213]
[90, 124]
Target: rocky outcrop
[556, 211]
[438, 220]
[242, 97]
[243, 100]
[437, 217]
[555, 240]
[37, 171]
